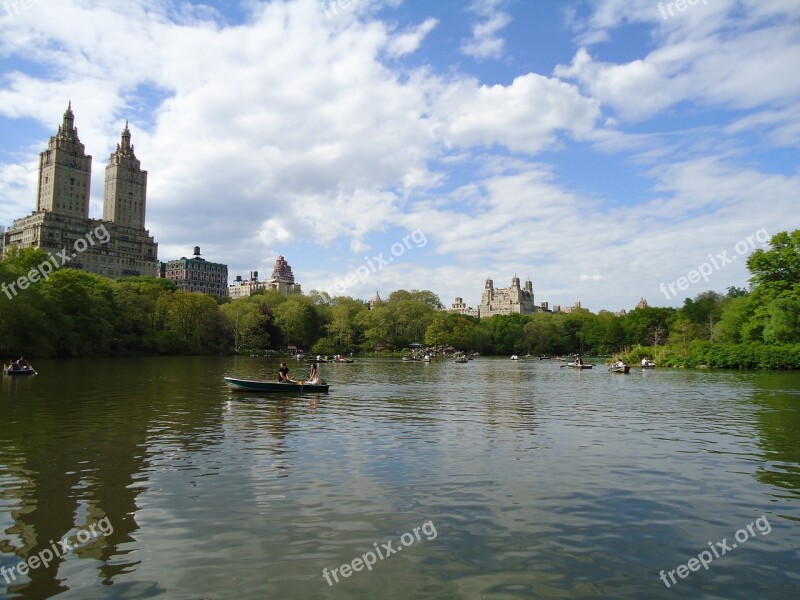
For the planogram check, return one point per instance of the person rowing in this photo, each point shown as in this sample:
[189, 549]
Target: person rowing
[283, 374]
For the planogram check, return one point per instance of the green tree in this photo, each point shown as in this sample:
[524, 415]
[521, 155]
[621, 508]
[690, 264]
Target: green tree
[82, 312]
[297, 321]
[779, 267]
[783, 320]
[193, 317]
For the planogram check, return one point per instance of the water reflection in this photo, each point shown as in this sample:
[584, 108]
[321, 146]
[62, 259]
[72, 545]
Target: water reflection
[542, 482]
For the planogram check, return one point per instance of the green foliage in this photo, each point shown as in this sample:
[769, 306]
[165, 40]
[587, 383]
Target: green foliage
[74, 313]
[751, 355]
[778, 268]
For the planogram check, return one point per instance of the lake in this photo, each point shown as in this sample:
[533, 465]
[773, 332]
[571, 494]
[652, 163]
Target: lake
[497, 479]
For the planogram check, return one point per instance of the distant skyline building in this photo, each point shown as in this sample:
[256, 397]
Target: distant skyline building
[282, 280]
[570, 309]
[376, 300]
[461, 308]
[62, 218]
[196, 274]
[505, 301]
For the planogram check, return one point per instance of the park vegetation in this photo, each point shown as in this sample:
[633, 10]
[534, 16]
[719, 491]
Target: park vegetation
[74, 313]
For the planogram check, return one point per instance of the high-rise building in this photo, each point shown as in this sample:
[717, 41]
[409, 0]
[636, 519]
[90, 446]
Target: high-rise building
[65, 172]
[125, 192]
[61, 223]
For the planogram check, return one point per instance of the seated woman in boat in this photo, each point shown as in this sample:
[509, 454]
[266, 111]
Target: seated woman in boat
[313, 375]
[578, 360]
[283, 373]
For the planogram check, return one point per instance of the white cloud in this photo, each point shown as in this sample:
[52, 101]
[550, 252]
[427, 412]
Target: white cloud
[523, 116]
[290, 128]
[407, 43]
[485, 43]
[737, 56]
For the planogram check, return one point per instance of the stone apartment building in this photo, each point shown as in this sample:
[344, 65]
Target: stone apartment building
[61, 219]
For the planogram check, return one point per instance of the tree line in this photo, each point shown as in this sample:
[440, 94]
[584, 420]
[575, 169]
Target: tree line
[75, 313]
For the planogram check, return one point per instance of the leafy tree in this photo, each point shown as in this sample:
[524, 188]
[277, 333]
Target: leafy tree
[241, 317]
[779, 267]
[82, 310]
[193, 317]
[783, 324]
[343, 330]
[734, 315]
[298, 321]
[437, 332]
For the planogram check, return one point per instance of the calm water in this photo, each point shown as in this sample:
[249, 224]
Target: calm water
[522, 479]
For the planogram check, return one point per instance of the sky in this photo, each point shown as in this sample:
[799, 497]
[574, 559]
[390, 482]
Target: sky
[607, 150]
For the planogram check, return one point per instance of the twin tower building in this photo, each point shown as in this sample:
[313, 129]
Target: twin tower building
[61, 222]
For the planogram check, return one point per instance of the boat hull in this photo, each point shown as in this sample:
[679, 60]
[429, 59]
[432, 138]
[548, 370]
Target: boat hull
[574, 366]
[250, 385]
[625, 370]
[19, 371]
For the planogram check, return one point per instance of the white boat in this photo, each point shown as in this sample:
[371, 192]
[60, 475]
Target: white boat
[514, 357]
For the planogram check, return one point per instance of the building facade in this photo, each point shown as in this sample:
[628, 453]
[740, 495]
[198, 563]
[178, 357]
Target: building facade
[282, 280]
[505, 301]
[459, 307]
[197, 275]
[61, 221]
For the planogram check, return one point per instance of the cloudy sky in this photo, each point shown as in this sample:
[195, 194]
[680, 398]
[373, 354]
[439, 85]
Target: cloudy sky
[601, 149]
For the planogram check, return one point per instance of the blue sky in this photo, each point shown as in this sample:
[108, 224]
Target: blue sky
[598, 148]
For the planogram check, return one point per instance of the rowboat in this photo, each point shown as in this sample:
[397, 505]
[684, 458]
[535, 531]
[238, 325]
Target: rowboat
[572, 365]
[19, 371]
[250, 385]
[625, 369]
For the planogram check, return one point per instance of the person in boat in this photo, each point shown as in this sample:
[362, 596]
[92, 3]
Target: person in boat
[22, 363]
[283, 373]
[645, 362]
[313, 375]
[9, 364]
[578, 361]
